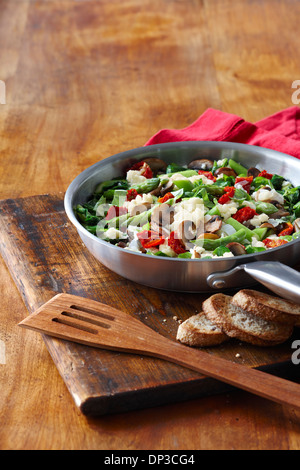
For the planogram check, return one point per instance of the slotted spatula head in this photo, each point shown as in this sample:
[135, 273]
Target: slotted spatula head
[92, 323]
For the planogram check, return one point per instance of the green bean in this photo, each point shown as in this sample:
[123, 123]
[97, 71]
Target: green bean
[119, 198]
[257, 232]
[186, 173]
[186, 185]
[238, 168]
[214, 211]
[238, 226]
[139, 219]
[117, 221]
[214, 190]
[260, 232]
[265, 207]
[147, 185]
[211, 244]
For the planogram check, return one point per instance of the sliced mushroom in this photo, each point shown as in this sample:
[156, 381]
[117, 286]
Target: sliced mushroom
[196, 254]
[236, 248]
[279, 214]
[162, 215]
[296, 225]
[206, 236]
[253, 172]
[186, 231]
[213, 225]
[157, 191]
[248, 224]
[276, 204]
[225, 171]
[122, 244]
[156, 164]
[267, 225]
[201, 164]
[166, 188]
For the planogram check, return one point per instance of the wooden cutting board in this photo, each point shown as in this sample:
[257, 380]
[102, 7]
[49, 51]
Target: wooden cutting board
[45, 256]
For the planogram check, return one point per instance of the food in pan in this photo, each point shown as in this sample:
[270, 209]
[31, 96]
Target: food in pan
[206, 209]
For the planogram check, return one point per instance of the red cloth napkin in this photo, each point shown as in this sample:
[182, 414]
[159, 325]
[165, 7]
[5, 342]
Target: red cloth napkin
[280, 131]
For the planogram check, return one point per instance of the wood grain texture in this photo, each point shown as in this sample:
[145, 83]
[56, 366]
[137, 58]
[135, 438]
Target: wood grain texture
[87, 79]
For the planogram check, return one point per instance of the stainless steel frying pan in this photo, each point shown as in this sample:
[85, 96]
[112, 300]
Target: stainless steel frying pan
[271, 268]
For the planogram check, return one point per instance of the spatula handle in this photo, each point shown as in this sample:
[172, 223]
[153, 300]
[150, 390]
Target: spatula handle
[255, 381]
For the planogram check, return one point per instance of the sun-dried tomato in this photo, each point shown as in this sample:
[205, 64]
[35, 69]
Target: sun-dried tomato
[150, 238]
[208, 175]
[273, 243]
[147, 172]
[137, 166]
[245, 182]
[131, 194]
[144, 169]
[176, 244]
[115, 211]
[229, 193]
[264, 174]
[243, 214]
[287, 229]
[165, 198]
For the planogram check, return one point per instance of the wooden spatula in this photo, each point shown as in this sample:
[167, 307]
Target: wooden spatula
[95, 324]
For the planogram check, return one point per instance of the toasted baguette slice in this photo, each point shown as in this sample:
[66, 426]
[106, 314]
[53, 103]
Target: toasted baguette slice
[199, 331]
[241, 324]
[267, 306]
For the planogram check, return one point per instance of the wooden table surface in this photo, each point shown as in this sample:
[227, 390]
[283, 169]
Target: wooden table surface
[87, 79]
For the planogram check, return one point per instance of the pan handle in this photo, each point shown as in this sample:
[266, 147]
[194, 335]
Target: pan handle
[279, 278]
